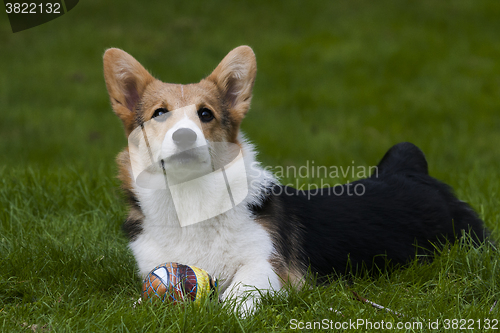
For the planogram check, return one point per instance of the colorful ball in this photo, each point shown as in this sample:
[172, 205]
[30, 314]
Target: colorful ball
[173, 282]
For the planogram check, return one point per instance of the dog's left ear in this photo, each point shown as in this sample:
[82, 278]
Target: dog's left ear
[235, 77]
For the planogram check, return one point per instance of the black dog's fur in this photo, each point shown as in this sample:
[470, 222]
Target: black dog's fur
[402, 212]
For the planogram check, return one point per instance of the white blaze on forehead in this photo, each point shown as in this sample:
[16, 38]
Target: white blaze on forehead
[172, 117]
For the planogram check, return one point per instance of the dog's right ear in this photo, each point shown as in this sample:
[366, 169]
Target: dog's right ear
[126, 81]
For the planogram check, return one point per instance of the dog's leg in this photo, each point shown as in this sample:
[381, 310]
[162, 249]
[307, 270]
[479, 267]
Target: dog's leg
[249, 282]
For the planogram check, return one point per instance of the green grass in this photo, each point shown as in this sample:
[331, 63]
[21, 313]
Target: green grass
[337, 82]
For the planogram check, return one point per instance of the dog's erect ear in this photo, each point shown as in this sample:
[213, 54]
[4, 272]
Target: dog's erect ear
[235, 77]
[126, 81]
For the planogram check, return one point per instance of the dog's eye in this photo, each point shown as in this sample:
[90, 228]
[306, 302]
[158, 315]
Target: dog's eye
[205, 115]
[160, 112]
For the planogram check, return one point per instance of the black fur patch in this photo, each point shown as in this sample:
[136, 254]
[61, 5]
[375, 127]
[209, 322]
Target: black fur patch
[132, 228]
[132, 200]
[402, 212]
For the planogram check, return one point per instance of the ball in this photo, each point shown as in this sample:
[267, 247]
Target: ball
[174, 282]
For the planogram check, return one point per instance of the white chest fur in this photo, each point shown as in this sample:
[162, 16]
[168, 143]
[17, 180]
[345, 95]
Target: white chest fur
[220, 246]
[231, 246]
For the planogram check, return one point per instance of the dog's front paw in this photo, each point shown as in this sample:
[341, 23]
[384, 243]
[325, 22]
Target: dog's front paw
[246, 306]
[242, 300]
[249, 283]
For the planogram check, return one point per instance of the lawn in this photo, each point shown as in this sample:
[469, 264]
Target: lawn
[338, 83]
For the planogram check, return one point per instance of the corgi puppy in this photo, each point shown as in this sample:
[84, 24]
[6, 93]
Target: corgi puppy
[265, 234]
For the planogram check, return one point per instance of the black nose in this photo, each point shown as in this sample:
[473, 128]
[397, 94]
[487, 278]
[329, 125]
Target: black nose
[184, 137]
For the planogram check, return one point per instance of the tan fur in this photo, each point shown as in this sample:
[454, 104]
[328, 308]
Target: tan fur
[292, 271]
[135, 94]
[288, 275]
[126, 81]
[237, 93]
[123, 161]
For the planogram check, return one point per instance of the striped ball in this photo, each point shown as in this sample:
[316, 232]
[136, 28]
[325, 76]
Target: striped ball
[173, 282]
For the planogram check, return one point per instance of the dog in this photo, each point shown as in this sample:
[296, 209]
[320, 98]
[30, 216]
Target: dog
[273, 234]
